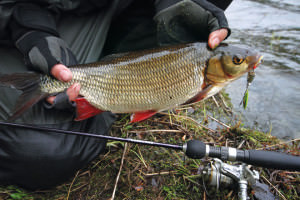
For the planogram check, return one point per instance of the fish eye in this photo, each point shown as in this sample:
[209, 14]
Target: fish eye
[238, 59]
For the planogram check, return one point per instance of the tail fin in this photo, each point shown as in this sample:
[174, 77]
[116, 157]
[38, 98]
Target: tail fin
[29, 83]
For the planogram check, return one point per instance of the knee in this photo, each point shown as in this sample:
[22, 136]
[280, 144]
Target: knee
[46, 159]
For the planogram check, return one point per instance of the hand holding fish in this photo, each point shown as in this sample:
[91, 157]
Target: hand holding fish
[62, 73]
[216, 37]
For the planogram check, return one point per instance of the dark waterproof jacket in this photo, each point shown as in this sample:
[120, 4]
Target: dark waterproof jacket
[78, 7]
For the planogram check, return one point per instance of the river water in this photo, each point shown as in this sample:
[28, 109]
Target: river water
[273, 28]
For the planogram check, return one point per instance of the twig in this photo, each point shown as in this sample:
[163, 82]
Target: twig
[281, 143]
[81, 186]
[226, 107]
[215, 101]
[69, 190]
[229, 194]
[241, 144]
[101, 160]
[223, 124]
[157, 130]
[140, 156]
[183, 107]
[189, 118]
[192, 181]
[118, 176]
[283, 197]
[160, 173]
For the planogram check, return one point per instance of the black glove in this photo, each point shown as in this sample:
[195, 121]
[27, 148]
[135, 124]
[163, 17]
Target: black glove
[34, 33]
[42, 51]
[182, 21]
[61, 102]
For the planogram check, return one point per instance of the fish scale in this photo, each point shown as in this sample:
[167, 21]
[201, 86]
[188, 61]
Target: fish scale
[154, 80]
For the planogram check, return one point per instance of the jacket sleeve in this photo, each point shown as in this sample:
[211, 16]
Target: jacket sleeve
[34, 33]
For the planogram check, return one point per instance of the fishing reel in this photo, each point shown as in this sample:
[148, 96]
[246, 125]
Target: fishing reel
[218, 173]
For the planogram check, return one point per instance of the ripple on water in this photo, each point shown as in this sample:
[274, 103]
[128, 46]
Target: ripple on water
[273, 28]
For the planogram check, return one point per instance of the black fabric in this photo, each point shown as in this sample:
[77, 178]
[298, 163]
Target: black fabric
[42, 51]
[187, 21]
[132, 30]
[223, 4]
[30, 39]
[37, 160]
[217, 12]
[33, 17]
[61, 102]
[163, 4]
[35, 34]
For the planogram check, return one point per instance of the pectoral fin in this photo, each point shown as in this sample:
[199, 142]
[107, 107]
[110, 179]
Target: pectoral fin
[140, 116]
[208, 91]
[85, 110]
[201, 95]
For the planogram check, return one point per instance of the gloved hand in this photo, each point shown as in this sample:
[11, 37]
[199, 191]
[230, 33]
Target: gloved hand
[35, 35]
[182, 21]
[64, 99]
[42, 51]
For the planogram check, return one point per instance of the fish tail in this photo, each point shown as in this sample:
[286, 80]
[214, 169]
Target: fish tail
[29, 84]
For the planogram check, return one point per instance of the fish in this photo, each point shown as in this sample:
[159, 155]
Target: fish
[141, 82]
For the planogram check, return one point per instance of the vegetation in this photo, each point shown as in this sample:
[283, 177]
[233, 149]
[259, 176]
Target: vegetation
[129, 171]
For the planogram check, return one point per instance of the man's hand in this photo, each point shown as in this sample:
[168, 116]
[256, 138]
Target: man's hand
[62, 73]
[216, 37]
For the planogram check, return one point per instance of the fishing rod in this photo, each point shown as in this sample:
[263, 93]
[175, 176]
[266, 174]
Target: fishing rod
[196, 149]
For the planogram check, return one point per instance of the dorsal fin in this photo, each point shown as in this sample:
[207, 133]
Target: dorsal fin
[114, 56]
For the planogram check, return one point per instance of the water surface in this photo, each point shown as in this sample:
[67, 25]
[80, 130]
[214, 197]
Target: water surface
[273, 28]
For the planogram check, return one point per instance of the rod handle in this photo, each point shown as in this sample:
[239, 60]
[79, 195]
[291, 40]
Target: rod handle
[271, 159]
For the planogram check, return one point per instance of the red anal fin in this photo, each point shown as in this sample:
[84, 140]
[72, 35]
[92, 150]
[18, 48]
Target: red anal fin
[140, 116]
[85, 110]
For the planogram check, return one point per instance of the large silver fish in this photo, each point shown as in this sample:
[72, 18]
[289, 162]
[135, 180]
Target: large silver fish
[144, 82]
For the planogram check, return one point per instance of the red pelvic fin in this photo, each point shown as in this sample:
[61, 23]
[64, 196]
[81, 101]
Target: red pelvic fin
[140, 116]
[84, 109]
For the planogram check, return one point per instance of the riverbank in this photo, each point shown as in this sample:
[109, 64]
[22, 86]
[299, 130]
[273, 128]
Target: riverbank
[129, 171]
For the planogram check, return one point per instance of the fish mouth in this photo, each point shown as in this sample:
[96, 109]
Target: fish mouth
[257, 61]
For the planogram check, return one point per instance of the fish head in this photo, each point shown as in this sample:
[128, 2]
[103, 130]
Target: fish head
[230, 62]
